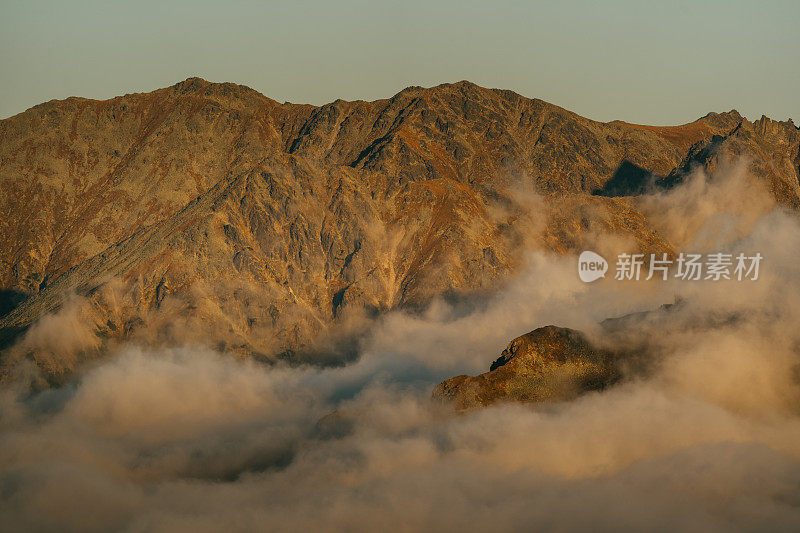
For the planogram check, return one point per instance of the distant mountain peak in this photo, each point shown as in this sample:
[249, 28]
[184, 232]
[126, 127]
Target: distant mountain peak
[191, 84]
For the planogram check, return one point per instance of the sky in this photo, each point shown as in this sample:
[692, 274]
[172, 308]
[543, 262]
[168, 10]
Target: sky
[665, 63]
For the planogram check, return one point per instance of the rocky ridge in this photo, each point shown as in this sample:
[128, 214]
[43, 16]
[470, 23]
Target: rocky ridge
[209, 211]
[548, 364]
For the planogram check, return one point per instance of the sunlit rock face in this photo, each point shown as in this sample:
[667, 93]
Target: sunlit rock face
[210, 213]
[548, 364]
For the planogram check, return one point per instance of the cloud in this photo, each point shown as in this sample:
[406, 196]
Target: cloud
[59, 341]
[705, 438]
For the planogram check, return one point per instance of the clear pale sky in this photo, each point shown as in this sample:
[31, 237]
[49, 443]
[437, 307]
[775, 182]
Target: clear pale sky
[632, 60]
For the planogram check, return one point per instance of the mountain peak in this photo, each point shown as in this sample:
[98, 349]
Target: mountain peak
[192, 84]
[463, 86]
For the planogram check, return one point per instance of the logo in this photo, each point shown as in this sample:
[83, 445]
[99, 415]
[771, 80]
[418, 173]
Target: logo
[591, 266]
[687, 266]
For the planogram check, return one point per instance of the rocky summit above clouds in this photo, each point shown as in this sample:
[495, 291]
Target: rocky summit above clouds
[210, 213]
[549, 364]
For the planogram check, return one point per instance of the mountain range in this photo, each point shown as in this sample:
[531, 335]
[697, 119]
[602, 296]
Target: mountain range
[208, 212]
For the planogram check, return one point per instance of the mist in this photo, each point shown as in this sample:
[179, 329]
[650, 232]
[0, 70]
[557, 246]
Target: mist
[704, 437]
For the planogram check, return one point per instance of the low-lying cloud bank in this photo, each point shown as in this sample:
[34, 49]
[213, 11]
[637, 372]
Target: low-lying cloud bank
[708, 438]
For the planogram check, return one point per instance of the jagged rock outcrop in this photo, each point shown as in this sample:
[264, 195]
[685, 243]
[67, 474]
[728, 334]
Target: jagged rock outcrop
[772, 151]
[548, 364]
[212, 210]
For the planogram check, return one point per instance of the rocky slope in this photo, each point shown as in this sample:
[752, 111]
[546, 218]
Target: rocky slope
[547, 364]
[212, 213]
